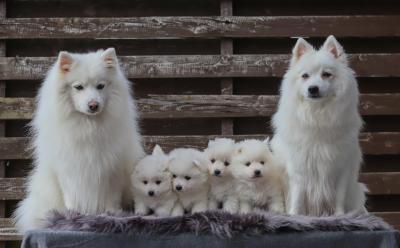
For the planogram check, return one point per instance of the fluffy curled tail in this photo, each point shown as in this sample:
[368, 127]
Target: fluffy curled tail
[43, 195]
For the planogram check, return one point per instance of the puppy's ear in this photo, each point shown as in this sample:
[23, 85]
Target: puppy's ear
[158, 151]
[109, 57]
[268, 143]
[333, 46]
[65, 61]
[201, 164]
[301, 47]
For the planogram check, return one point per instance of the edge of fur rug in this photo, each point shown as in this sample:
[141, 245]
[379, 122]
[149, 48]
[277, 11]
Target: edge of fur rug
[217, 223]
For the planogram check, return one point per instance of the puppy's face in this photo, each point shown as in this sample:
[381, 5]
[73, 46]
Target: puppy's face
[187, 174]
[252, 161]
[154, 185]
[151, 177]
[87, 79]
[318, 74]
[219, 155]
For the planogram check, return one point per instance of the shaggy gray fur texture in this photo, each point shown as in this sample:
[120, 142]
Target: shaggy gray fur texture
[217, 223]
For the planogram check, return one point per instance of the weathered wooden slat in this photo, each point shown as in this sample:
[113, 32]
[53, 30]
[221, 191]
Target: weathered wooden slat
[202, 66]
[200, 27]
[393, 218]
[382, 143]
[201, 106]
[382, 183]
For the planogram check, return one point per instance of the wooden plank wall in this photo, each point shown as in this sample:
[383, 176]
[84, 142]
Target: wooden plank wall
[202, 69]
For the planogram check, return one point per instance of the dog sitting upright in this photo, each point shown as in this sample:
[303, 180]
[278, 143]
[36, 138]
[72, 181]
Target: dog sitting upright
[152, 185]
[189, 179]
[219, 154]
[259, 184]
[316, 131]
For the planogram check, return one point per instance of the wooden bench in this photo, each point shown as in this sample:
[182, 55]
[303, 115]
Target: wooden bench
[214, 72]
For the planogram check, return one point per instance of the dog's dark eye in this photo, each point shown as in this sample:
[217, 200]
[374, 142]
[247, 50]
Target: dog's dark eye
[100, 86]
[174, 176]
[78, 87]
[158, 182]
[226, 163]
[145, 182]
[305, 76]
[212, 160]
[248, 164]
[326, 74]
[262, 162]
[187, 178]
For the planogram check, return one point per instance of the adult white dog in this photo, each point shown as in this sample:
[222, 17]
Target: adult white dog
[316, 131]
[85, 139]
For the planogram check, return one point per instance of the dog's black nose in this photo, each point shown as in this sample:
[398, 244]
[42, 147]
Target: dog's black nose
[178, 187]
[151, 193]
[93, 106]
[313, 90]
[257, 172]
[217, 172]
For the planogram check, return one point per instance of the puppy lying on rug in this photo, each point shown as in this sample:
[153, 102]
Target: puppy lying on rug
[217, 223]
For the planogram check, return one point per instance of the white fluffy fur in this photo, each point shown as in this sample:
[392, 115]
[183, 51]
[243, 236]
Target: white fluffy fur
[222, 184]
[83, 159]
[264, 191]
[317, 139]
[152, 175]
[189, 171]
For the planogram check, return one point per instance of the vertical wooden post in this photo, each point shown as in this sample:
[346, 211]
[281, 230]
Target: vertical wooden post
[2, 123]
[226, 9]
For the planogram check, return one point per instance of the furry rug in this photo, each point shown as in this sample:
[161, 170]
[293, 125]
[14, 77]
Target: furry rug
[217, 223]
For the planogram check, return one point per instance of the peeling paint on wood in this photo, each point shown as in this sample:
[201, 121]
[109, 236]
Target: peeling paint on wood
[200, 27]
[206, 106]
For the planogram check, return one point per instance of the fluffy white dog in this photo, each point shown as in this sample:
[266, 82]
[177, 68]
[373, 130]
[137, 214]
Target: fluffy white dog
[222, 184]
[189, 179]
[258, 178]
[152, 185]
[316, 131]
[85, 139]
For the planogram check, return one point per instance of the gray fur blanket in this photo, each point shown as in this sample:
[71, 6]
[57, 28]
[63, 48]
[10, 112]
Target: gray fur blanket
[217, 223]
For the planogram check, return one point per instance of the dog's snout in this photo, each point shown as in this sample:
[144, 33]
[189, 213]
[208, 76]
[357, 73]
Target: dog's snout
[93, 106]
[313, 90]
[178, 187]
[151, 193]
[257, 172]
[217, 172]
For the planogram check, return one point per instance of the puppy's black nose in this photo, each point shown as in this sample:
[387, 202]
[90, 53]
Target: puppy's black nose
[93, 106]
[217, 172]
[178, 187]
[257, 172]
[151, 193]
[313, 90]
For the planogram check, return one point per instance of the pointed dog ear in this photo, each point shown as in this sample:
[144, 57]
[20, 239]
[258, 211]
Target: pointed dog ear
[109, 56]
[158, 151]
[301, 47]
[201, 164]
[333, 46]
[65, 61]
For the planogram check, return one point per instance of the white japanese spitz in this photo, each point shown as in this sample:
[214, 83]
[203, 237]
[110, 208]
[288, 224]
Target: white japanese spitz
[189, 179]
[316, 131]
[222, 184]
[152, 188]
[85, 139]
[259, 184]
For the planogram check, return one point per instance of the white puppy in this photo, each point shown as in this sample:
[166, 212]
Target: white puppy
[85, 139]
[189, 179]
[316, 131]
[152, 185]
[219, 155]
[258, 178]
